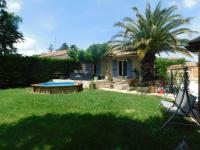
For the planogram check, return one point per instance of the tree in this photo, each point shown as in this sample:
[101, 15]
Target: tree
[97, 51]
[51, 48]
[9, 34]
[81, 56]
[73, 52]
[161, 65]
[152, 33]
[73, 47]
[64, 46]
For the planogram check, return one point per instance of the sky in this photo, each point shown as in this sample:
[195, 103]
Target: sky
[84, 22]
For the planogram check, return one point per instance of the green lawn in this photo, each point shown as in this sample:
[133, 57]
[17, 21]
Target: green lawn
[88, 120]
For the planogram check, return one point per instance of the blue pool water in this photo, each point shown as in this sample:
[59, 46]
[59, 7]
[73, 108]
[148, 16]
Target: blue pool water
[57, 84]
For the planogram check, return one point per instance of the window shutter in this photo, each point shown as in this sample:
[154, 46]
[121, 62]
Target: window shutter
[98, 68]
[129, 68]
[114, 68]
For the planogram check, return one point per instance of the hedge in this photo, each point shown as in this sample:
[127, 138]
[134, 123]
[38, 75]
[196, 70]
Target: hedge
[19, 71]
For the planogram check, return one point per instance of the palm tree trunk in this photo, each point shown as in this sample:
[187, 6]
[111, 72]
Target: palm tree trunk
[148, 71]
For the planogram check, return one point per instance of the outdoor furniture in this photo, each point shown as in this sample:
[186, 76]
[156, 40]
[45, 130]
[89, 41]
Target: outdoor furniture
[183, 105]
[180, 101]
[80, 76]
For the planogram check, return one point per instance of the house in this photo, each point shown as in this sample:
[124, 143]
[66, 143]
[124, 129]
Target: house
[59, 54]
[116, 64]
[192, 69]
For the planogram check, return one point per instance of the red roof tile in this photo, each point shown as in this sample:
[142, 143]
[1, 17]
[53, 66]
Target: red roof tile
[54, 53]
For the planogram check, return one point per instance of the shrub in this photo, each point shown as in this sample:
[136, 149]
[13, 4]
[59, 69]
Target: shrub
[93, 85]
[133, 82]
[19, 71]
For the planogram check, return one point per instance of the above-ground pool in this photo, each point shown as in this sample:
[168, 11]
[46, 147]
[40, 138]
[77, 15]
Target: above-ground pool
[57, 87]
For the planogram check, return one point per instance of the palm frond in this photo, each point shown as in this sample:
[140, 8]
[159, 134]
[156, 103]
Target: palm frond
[155, 31]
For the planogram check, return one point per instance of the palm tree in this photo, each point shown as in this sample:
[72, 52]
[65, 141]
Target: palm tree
[154, 32]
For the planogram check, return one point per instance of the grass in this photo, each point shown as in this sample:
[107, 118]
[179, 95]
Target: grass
[92, 119]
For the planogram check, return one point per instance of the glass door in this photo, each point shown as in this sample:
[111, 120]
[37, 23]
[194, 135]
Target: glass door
[122, 68]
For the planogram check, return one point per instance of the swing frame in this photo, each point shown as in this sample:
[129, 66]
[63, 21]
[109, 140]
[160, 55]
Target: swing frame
[191, 113]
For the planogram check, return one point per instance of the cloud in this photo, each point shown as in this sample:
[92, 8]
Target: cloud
[14, 5]
[184, 3]
[190, 3]
[27, 43]
[28, 47]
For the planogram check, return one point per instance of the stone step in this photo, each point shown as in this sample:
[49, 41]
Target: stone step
[121, 86]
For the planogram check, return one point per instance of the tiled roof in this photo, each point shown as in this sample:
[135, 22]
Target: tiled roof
[54, 53]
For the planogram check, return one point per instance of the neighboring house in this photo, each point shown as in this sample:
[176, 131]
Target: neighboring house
[60, 54]
[192, 67]
[118, 64]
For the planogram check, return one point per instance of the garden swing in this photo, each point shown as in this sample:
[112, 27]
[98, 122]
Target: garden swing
[184, 104]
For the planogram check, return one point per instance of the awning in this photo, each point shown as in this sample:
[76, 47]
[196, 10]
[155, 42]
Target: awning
[194, 45]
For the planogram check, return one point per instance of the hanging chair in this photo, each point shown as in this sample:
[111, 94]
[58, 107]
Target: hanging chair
[184, 104]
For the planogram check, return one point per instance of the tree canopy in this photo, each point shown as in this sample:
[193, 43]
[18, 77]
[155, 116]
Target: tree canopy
[73, 52]
[64, 46]
[97, 51]
[51, 48]
[157, 30]
[9, 34]
[93, 54]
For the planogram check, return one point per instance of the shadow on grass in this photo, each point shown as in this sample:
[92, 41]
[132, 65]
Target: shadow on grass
[95, 132]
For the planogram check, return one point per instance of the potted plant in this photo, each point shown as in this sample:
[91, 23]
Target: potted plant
[132, 84]
[152, 88]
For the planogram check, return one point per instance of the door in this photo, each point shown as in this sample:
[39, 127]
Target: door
[122, 68]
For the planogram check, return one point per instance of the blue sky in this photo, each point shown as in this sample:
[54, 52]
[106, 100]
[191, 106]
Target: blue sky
[82, 22]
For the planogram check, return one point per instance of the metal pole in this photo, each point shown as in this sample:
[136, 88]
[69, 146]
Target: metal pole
[171, 82]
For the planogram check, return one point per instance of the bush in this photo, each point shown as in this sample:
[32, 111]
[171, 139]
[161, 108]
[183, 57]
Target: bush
[19, 71]
[93, 85]
[161, 65]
